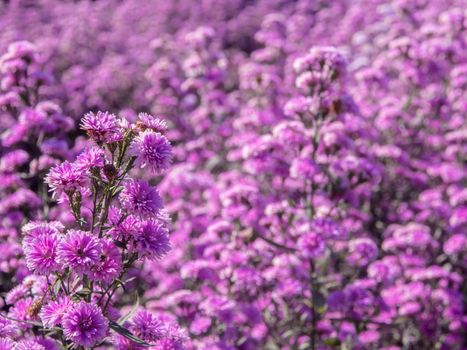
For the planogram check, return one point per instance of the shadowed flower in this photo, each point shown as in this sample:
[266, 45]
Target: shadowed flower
[110, 264]
[84, 324]
[79, 251]
[146, 326]
[140, 198]
[51, 314]
[152, 240]
[311, 245]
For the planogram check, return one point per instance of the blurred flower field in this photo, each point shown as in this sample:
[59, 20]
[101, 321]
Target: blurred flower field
[233, 174]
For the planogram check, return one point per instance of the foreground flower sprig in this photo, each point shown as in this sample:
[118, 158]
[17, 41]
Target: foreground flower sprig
[119, 220]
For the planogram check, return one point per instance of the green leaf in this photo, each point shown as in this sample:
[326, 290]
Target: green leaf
[57, 286]
[126, 333]
[332, 342]
[116, 190]
[83, 292]
[123, 319]
[319, 300]
[75, 283]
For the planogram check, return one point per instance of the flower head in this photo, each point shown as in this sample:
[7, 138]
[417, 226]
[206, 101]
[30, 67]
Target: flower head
[41, 254]
[110, 264]
[65, 177]
[93, 157]
[146, 326]
[147, 121]
[362, 251]
[152, 239]
[79, 251]
[140, 198]
[311, 245]
[84, 324]
[102, 127]
[152, 149]
[51, 314]
[7, 328]
[6, 344]
[29, 344]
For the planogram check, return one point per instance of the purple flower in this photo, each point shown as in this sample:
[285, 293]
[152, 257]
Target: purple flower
[311, 245]
[455, 244]
[147, 121]
[140, 198]
[124, 229]
[110, 263]
[146, 326]
[79, 251]
[152, 149]
[41, 254]
[29, 344]
[12, 160]
[51, 314]
[93, 157]
[102, 127]
[7, 328]
[362, 251]
[6, 344]
[152, 239]
[84, 324]
[65, 177]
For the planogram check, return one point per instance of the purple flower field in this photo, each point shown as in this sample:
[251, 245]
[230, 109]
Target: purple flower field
[233, 174]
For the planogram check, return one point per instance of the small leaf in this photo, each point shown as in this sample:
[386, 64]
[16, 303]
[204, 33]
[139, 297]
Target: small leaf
[332, 342]
[116, 190]
[120, 244]
[83, 292]
[123, 319]
[57, 287]
[319, 300]
[126, 333]
[75, 283]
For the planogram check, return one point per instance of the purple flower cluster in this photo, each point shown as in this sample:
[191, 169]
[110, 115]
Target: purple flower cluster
[314, 185]
[78, 265]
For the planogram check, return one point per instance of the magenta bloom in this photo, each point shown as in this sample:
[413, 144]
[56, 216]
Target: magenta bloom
[65, 177]
[101, 127]
[311, 245]
[152, 149]
[93, 157]
[51, 314]
[37, 229]
[140, 198]
[110, 264]
[123, 228]
[152, 240]
[79, 251]
[362, 251]
[147, 121]
[41, 254]
[84, 324]
[29, 344]
[147, 327]
[7, 328]
[6, 344]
